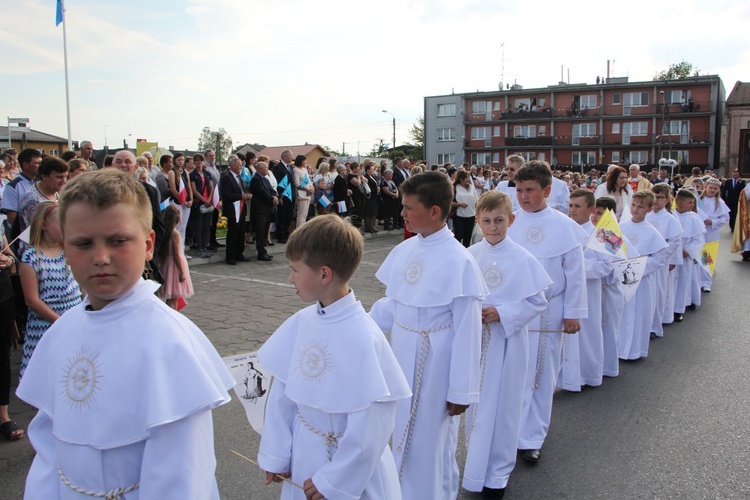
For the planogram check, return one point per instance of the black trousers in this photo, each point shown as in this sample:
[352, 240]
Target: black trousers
[214, 222]
[462, 229]
[260, 222]
[285, 212]
[235, 237]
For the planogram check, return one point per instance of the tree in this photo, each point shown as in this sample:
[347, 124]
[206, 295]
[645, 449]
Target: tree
[678, 71]
[332, 151]
[218, 140]
[416, 133]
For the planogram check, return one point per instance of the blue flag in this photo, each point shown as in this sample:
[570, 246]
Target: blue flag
[164, 204]
[286, 186]
[59, 17]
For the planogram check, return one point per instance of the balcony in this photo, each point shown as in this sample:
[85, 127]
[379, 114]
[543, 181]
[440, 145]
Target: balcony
[529, 141]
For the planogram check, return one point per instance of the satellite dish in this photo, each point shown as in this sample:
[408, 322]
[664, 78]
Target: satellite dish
[500, 86]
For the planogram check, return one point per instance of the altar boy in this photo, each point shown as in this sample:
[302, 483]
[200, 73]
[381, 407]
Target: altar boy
[433, 309]
[555, 241]
[336, 384]
[516, 281]
[124, 385]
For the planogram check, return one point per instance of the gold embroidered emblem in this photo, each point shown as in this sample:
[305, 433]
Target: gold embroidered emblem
[535, 235]
[494, 276]
[413, 272]
[81, 379]
[313, 362]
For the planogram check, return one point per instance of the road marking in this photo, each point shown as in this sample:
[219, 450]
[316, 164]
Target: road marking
[251, 280]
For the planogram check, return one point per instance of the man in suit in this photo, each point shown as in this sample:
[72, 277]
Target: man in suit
[400, 174]
[730, 193]
[233, 189]
[261, 207]
[284, 173]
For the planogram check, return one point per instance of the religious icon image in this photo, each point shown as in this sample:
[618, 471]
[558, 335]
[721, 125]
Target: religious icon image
[254, 383]
[611, 241]
[629, 276]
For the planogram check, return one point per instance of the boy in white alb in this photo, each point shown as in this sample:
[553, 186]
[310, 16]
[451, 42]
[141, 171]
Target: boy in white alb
[555, 241]
[433, 309]
[124, 384]
[516, 281]
[586, 348]
[635, 329]
[666, 276]
[336, 384]
[692, 244]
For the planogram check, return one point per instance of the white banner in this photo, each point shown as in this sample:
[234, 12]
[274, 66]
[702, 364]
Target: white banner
[630, 273]
[253, 384]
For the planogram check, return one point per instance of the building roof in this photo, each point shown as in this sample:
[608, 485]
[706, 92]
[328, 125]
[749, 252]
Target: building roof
[274, 152]
[31, 135]
[740, 95]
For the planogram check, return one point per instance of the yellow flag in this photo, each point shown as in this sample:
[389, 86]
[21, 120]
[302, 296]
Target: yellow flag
[607, 237]
[709, 254]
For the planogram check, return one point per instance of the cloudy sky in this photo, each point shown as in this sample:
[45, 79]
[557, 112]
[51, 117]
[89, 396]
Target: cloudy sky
[283, 72]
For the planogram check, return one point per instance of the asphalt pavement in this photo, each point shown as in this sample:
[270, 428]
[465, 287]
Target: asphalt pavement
[673, 425]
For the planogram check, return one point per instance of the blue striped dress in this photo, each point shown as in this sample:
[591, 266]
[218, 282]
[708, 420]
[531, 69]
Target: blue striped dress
[57, 288]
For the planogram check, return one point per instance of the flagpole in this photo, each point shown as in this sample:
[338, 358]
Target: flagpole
[67, 86]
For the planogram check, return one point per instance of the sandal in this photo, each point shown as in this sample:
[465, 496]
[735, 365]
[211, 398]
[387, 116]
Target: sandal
[10, 431]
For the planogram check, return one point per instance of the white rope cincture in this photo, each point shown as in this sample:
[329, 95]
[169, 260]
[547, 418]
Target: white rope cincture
[115, 494]
[331, 439]
[482, 363]
[423, 350]
[542, 348]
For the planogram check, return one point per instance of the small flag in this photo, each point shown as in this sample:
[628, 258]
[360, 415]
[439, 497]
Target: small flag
[181, 303]
[708, 256]
[217, 199]
[287, 187]
[164, 204]
[607, 237]
[182, 192]
[59, 18]
[341, 207]
[253, 384]
[25, 234]
[629, 273]
[324, 201]
[238, 206]
[305, 181]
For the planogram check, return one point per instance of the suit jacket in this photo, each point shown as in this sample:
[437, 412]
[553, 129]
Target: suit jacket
[398, 176]
[262, 201]
[230, 192]
[280, 171]
[731, 194]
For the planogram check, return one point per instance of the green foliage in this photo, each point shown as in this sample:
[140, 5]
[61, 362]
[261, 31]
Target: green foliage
[677, 71]
[332, 151]
[218, 140]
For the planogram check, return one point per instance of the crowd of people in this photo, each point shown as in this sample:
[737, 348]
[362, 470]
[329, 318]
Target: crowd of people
[492, 302]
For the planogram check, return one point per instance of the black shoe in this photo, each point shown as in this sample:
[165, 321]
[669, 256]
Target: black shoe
[746, 255]
[241, 258]
[269, 243]
[216, 244]
[265, 258]
[231, 262]
[531, 455]
[493, 493]
[691, 307]
[211, 248]
[677, 317]
[281, 241]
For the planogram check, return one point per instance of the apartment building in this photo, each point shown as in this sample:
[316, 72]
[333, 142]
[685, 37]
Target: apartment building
[581, 125]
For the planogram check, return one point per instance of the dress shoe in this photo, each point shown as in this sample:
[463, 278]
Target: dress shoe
[691, 307]
[231, 262]
[211, 248]
[241, 258]
[677, 317]
[707, 289]
[217, 244]
[269, 243]
[493, 493]
[531, 455]
[281, 241]
[265, 258]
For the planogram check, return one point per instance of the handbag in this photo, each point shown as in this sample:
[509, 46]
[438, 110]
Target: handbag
[206, 209]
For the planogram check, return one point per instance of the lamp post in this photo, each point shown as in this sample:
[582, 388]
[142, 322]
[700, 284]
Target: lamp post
[125, 142]
[394, 126]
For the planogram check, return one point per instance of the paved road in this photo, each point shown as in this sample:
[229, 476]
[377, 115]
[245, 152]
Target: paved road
[673, 425]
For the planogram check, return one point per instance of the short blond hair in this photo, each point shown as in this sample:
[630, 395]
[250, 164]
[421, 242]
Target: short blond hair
[493, 200]
[327, 240]
[646, 195]
[106, 188]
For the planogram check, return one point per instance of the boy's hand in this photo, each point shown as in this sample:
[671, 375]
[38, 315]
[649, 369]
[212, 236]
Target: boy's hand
[456, 409]
[571, 325]
[311, 492]
[684, 254]
[274, 476]
[672, 266]
[490, 315]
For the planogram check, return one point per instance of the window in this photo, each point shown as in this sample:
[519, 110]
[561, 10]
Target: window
[527, 156]
[495, 157]
[680, 156]
[676, 127]
[676, 96]
[542, 130]
[615, 128]
[524, 131]
[616, 99]
[446, 109]
[53, 152]
[635, 128]
[636, 99]
[43, 151]
[481, 158]
[638, 157]
[588, 101]
[480, 133]
[583, 130]
[446, 134]
[496, 106]
[615, 156]
[583, 157]
[443, 158]
[478, 107]
[496, 132]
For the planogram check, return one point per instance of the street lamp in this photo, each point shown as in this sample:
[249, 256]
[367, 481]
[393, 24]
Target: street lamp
[394, 126]
[125, 142]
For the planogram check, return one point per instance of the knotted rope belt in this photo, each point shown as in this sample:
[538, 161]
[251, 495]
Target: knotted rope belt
[115, 494]
[423, 350]
[542, 349]
[331, 439]
[486, 333]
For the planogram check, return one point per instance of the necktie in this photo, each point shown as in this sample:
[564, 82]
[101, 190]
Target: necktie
[511, 184]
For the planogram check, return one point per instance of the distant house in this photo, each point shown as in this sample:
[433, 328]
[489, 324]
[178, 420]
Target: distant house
[250, 148]
[736, 138]
[23, 138]
[312, 151]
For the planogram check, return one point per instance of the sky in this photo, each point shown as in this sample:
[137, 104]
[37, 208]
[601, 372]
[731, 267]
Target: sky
[288, 72]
